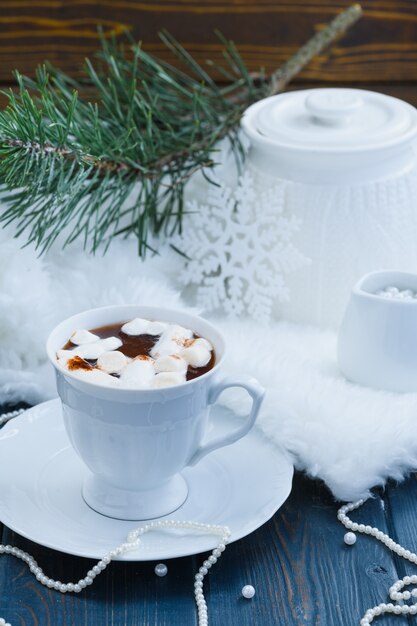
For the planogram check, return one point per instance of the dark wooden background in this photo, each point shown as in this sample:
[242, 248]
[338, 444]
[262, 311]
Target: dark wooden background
[380, 52]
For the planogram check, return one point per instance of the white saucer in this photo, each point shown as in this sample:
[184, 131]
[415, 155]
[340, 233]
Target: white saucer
[240, 486]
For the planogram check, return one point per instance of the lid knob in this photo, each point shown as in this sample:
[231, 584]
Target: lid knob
[333, 107]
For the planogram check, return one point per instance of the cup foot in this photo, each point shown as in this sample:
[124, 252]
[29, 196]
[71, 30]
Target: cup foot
[129, 505]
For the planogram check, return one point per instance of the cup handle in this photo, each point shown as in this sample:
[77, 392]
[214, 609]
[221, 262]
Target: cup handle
[256, 392]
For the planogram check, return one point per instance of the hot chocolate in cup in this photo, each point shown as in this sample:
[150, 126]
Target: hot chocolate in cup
[135, 442]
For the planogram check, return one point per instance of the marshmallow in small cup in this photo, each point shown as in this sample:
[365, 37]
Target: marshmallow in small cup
[395, 293]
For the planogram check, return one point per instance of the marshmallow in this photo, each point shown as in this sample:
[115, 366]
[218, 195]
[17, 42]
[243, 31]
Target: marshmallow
[112, 362]
[178, 333]
[203, 343]
[92, 351]
[63, 356]
[111, 343]
[137, 326]
[196, 355]
[171, 341]
[170, 363]
[138, 374]
[96, 377]
[80, 337]
[165, 347]
[168, 379]
[156, 328]
[89, 351]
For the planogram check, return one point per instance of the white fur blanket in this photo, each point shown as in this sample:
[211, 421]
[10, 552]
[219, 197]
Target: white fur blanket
[351, 437]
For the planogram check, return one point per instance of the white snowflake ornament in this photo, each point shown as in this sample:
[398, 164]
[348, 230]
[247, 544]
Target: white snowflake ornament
[239, 248]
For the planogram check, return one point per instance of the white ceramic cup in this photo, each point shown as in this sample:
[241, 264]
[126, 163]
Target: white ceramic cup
[377, 344]
[136, 442]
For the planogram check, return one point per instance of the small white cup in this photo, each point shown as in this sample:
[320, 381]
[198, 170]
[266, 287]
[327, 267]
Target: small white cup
[377, 344]
[136, 442]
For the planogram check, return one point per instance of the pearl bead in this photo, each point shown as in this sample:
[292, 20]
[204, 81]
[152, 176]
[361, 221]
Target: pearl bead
[349, 539]
[7, 417]
[161, 569]
[248, 591]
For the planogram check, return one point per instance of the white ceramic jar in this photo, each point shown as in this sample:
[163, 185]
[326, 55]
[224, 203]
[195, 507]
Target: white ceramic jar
[348, 162]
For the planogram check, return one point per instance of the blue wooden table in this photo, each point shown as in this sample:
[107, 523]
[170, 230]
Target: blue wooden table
[301, 569]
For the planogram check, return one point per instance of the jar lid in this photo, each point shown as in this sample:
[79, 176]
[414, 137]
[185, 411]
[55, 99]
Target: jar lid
[333, 120]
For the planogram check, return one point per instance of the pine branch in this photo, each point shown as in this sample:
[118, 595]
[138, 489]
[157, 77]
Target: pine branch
[319, 42]
[117, 163]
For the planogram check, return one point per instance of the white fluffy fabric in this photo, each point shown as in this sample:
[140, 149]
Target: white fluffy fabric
[351, 437]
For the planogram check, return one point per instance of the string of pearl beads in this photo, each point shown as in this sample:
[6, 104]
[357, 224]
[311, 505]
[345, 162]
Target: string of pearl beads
[5, 417]
[395, 591]
[133, 543]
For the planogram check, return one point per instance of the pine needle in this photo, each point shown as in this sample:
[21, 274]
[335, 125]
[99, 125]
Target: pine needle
[116, 162]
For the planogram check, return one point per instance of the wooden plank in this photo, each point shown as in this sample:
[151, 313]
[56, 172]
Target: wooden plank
[381, 47]
[124, 594]
[401, 507]
[404, 92]
[303, 574]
